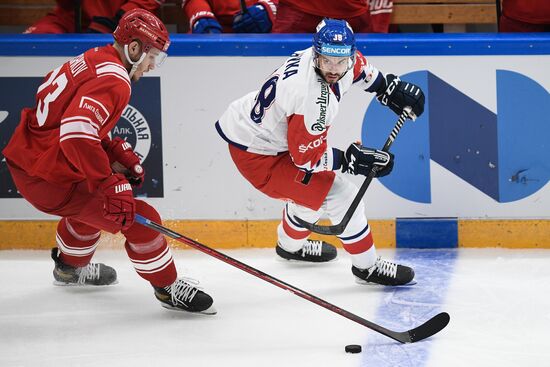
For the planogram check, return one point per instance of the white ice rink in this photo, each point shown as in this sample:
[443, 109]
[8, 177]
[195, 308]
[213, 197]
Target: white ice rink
[499, 302]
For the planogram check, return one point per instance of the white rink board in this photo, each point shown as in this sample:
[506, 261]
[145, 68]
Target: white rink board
[201, 181]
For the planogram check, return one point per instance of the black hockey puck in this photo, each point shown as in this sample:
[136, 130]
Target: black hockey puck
[353, 348]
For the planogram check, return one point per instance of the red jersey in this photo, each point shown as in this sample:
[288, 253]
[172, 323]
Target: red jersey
[222, 10]
[341, 9]
[77, 105]
[62, 18]
[94, 8]
[528, 11]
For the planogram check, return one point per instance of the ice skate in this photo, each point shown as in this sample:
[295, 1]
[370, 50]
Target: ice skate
[91, 274]
[182, 295]
[313, 251]
[384, 272]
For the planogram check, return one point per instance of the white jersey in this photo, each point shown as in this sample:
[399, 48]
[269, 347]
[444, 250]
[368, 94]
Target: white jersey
[293, 111]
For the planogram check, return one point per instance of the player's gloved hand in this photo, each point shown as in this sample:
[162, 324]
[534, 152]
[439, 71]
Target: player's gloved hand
[359, 160]
[118, 203]
[254, 20]
[124, 160]
[400, 94]
[207, 25]
[104, 24]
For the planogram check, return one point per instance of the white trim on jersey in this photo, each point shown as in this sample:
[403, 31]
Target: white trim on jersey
[78, 136]
[154, 265]
[77, 127]
[75, 251]
[381, 11]
[81, 237]
[80, 118]
[112, 69]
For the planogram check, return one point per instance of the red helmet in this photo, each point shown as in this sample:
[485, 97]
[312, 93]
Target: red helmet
[144, 26]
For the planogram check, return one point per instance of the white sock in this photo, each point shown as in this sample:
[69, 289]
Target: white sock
[287, 243]
[365, 259]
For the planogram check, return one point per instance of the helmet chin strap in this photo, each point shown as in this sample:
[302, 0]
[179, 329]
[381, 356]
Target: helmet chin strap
[134, 64]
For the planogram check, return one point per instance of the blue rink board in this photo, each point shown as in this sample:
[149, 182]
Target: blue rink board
[285, 44]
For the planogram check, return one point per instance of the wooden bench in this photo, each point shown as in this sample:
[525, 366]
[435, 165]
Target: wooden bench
[444, 12]
[23, 12]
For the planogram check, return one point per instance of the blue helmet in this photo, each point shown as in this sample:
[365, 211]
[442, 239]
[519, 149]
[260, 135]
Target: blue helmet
[334, 37]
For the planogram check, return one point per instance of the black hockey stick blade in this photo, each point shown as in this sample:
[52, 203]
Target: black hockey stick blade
[427, 329]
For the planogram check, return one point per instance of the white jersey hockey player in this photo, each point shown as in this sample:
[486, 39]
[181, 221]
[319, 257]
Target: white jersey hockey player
[278, 140]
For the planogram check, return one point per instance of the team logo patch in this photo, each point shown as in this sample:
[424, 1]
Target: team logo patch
[99, 111]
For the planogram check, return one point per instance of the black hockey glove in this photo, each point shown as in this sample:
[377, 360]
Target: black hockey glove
[400, 94]
[359, 160]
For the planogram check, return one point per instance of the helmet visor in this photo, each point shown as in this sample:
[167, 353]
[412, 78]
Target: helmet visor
[156, 56]
[333, 64]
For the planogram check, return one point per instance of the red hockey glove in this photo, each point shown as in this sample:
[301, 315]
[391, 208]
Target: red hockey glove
[124, 160]
[118, 205]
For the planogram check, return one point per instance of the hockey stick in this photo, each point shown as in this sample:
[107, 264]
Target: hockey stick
[499, 12]
[427, 329]
[244, 9]
[337, 229]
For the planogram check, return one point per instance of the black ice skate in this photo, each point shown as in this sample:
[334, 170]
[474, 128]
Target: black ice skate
[384, 272]
[183, 296]
[313, 251]
[91, 274]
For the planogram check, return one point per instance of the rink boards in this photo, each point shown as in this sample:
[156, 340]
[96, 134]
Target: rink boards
[472, 171]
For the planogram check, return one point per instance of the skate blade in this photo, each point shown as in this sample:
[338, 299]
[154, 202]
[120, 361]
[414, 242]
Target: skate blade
[371, 284]
[59, 283]
[209, 311]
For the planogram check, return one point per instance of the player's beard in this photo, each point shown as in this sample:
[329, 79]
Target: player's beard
[332, 78]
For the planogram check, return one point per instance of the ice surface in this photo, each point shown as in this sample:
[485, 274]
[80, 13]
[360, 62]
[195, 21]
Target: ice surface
[499, 302]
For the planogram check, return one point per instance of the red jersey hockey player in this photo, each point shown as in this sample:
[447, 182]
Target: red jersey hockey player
[61, 158]
[216, 16]
[302, 16]
[278, 136]
[525, 16]
[96, 16]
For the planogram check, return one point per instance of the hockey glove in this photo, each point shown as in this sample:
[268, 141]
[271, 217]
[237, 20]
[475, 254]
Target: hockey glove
[123, 160]
[399, 94]
[359, 160]
[207, 25]
[104, 24]
[254, 20]
[118, 203]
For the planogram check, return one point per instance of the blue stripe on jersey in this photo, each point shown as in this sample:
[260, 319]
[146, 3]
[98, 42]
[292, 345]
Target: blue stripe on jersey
[355, 235]
[224, 137]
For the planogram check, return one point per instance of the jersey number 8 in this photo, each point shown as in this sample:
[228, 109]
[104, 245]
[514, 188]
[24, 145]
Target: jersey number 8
[264, 99]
